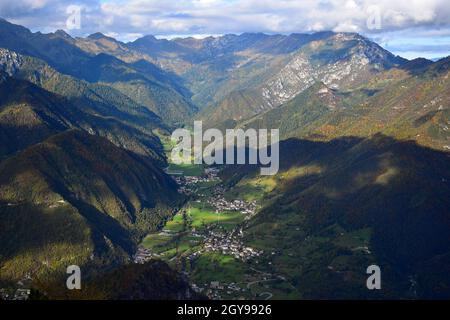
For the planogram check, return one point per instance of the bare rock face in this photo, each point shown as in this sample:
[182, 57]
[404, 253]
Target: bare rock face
[295, 77]
[341, 61]
[10, 61]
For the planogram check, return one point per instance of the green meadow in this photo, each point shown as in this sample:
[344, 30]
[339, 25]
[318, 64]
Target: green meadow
[191, 170]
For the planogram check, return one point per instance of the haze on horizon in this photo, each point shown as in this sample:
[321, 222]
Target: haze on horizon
[410, 29]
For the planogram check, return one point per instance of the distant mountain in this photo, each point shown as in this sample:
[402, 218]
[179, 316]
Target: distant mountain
[236, 107]
[95, 108]
[55, 48]
[276, 67]
[410, 102]
[217, 72]
[151, 87]
[303, 114]
[143, 83]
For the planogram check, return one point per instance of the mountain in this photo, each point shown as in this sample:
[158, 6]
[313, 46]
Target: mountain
[364, 158]
[55, 48]
[229, 74]
[236, 107]
[363, 180]
[29, 115]
[271, 68]
[67, 194]
[407, 103]
[98, 43]
[144, 84]
[95, 108]
[341, 61]
[303, 114]
[339, 205]
[77, 198]
[153, 280]
[150, 87]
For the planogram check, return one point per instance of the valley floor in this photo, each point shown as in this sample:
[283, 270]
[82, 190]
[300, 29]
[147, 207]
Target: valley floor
[205, 241]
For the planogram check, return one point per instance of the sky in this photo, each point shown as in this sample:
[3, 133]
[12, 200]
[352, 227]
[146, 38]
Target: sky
[410, 28]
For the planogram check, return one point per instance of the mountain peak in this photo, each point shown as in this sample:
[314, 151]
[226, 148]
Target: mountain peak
[62, 34]
[147, 38]
[99, 35]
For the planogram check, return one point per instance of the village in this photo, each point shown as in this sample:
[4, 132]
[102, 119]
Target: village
[228, 243]
[20, 291]
[213, 237]
[188, 185]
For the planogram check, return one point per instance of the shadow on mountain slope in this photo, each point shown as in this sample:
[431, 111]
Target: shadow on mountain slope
[399, 190]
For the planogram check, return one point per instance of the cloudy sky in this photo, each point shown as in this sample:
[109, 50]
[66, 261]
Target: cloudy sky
[410, 28]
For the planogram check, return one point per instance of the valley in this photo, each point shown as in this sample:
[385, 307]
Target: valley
[86, 177]
[205, 242]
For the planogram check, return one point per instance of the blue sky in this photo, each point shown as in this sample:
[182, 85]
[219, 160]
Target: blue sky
[410, 28]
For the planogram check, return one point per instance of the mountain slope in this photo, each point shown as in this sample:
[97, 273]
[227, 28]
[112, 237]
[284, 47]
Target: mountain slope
[237, 106]
[337, 207]
[406, 103]
[339, 60]
[95, 108]
[143, 83]
[56, 48]
[150, 87]
[76, 198]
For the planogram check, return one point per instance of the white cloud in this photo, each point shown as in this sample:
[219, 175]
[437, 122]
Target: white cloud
[220, 16]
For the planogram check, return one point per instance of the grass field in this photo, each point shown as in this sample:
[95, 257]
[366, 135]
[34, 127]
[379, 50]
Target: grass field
[218, 267]
[177, 237]
[176, 224]
[187, 169]
[201, 216]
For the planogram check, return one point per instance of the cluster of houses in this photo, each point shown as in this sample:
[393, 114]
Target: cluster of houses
[214, 290]
[221, 204]
[188, 184]
[20, 292]
[143, 255]
[229, 244]
[14, 294]
[215, 238]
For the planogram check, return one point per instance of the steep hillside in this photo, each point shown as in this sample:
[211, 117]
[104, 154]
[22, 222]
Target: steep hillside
[76, 199]
[236, 107]
[95, 108]
[144, 83]
[407, 103]
[98, 43]
[29, 115]
[57, 49]
[153, 280]
[337, 207]
[150, 87]
[302, 114]
[339, 60]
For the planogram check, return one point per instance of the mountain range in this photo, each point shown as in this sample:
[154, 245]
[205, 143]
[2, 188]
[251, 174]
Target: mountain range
[364, 153]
